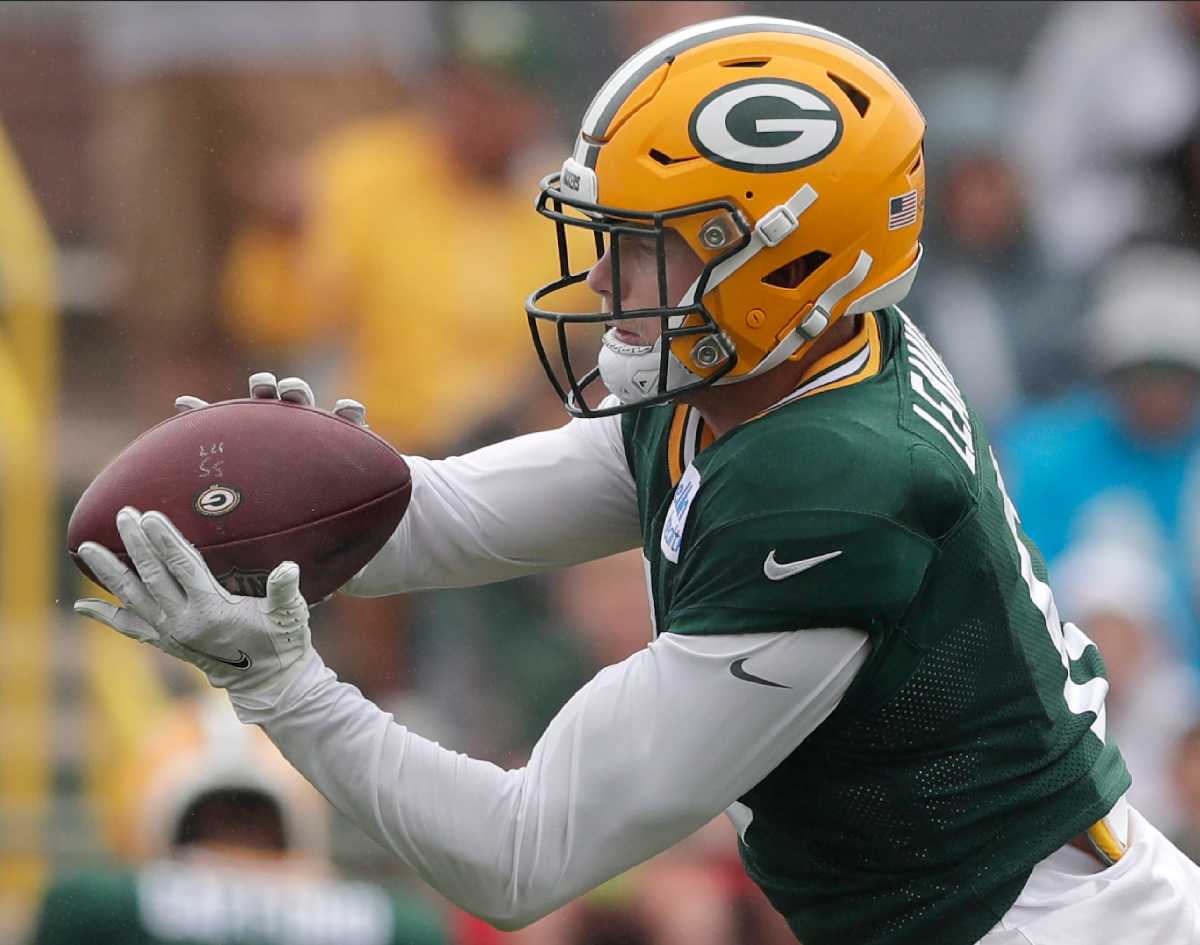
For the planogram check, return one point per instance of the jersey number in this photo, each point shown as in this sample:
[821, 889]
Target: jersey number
[1068, 639]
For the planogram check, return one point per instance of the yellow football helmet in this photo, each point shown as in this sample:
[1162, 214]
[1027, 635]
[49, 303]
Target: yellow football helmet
[789, 160]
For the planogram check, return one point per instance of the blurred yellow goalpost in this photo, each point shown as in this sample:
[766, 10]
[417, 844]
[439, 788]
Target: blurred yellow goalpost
[29, 349]
[123, 688]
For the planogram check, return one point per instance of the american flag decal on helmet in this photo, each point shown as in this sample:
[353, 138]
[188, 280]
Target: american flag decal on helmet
[902, 210]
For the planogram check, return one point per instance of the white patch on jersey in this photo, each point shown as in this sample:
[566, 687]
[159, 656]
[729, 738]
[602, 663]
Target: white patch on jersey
[1067, 638]
[681, 503]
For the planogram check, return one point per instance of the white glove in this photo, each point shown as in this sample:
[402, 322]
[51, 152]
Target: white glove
[263, 386]
[249, 645]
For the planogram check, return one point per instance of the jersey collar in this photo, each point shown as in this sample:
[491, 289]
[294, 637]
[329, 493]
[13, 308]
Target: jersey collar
[858, 359]
[855, 361]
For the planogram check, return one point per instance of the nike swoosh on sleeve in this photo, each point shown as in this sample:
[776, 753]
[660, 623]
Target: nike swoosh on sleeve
[737, 668]
[777, 571]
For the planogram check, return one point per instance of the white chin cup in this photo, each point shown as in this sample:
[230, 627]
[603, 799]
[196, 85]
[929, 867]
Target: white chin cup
[631, 371]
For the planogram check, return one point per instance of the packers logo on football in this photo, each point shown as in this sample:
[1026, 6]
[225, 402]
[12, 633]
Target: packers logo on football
[765, 126]
[217, 500]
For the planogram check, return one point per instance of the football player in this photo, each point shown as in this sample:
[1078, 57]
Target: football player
[854, 654]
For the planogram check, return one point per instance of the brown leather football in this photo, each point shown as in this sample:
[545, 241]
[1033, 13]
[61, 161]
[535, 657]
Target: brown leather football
[252, 483]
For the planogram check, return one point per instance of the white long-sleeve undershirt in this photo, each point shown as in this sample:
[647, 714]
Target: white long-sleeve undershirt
[649, 751]
[643, 755]
[540, 501]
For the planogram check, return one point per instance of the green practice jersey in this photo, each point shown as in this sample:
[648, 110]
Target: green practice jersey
[970, 745]
[192, 904]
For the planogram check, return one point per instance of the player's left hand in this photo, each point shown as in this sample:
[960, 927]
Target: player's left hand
[294, 390]
[248, 645]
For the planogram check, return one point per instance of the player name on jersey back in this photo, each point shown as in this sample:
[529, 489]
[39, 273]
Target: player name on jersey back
[938, 400]
[186, 903]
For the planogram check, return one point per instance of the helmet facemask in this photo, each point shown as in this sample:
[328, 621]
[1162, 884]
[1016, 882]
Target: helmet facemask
[639, 375]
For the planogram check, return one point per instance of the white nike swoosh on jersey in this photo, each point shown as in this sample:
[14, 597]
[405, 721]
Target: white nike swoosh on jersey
[777, 572]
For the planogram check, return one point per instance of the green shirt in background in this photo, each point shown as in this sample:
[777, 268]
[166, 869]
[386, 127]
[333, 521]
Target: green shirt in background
[187, 903]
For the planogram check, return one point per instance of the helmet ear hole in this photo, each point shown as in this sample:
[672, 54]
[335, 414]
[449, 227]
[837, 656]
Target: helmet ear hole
[790, 275]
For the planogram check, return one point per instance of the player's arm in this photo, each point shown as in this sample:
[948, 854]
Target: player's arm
[524, 505]
[534, 502]
[647, 752]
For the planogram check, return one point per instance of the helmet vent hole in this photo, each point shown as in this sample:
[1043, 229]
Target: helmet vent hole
[857, 97]
[790, 275]
[917, 163]
[746, 63]
[666, 159]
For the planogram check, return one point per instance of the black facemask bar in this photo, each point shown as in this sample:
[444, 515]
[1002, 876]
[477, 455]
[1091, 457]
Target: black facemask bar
[612, 224]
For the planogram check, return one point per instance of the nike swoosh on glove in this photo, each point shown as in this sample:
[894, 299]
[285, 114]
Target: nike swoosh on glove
[249, 645]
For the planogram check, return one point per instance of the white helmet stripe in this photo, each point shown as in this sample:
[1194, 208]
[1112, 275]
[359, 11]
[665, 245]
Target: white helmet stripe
[891, 292]
[633, 72]
[586, 152]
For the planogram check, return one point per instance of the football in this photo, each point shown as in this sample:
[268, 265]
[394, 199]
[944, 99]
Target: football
[252, 483]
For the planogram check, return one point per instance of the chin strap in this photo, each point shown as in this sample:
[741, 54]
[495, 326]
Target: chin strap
[633, 373]
[776, 225]
[817, 319]
[773, 228]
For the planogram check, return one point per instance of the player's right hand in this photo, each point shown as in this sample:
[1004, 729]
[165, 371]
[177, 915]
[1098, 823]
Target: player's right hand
[263, 386]
[170, 600]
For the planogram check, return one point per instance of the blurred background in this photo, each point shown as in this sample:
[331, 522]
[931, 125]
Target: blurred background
[191, 192]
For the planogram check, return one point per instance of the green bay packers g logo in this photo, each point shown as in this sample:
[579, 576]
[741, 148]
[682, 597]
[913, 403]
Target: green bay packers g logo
[765, 126]
[217, 500]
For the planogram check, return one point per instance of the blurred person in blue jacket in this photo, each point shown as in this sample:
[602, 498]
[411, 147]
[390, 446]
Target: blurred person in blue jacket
[1119, 592]
[1123, 457]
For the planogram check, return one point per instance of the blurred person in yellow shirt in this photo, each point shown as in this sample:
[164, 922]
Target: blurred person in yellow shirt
[381, 204]
[197, 108]
[399, 262]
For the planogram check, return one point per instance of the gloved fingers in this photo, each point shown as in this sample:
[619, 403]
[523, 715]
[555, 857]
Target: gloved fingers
[283, 587]
[188, 402]
[263, 386]
[183, 562]
[120, 580]
[351, 410]
[122, 620]
[295, 390]
[167, 595]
